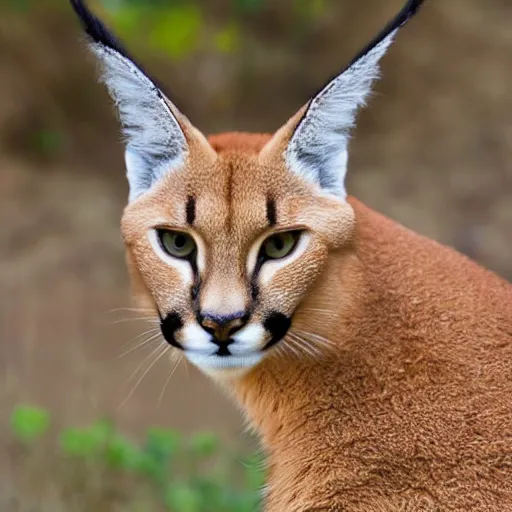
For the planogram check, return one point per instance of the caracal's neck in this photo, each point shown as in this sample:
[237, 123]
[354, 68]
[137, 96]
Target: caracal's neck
[297, 405]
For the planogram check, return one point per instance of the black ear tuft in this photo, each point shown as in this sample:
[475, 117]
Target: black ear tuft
[95, 28]
[407, 12]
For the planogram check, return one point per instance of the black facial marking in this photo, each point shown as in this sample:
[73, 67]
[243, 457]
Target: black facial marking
[255, 290]
[191, 210]
[277, 325]
[169, 325]
[271, 212]
[194, 291]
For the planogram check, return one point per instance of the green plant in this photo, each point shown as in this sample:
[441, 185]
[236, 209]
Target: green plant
[29, 423]
[167, 471]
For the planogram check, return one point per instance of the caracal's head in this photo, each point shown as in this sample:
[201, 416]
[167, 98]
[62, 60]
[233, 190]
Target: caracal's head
[225, 237]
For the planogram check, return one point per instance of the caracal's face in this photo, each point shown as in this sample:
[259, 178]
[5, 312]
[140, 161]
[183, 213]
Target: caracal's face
[226, 250]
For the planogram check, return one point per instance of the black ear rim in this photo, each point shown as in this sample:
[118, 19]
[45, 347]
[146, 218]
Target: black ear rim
[96, 29]
[407, 12]
[100, 34]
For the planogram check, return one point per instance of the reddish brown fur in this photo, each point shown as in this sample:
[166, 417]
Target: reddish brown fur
[410, 409]
[237, 141]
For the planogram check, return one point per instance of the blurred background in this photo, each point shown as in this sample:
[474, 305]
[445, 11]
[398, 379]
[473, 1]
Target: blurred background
[433, 151]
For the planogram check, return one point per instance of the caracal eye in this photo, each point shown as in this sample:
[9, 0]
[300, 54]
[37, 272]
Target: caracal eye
[280, 245]
[176, 243]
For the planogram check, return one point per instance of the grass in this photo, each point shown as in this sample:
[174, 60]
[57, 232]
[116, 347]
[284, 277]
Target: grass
[98, 468]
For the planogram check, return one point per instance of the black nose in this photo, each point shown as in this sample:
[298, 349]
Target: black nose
[223, 327]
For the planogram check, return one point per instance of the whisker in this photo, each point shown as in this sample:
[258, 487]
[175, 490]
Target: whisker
[131, 310]
[160, 398]
[293, 340]
[288, 342]
[299, 335]
[317, 337]
[141, 365]
[139, 345]
[306, 346]
[147, 331]
[298, 348]
[150, 319]
[314, 348]
[316, 310]
[162, 352]
[280, 350]
[142, 334]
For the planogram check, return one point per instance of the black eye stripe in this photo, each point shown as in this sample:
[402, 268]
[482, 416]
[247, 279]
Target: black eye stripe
[271, 212]
[255, 290]
[191, 210]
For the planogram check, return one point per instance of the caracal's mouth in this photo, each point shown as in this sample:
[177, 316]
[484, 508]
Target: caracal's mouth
[214, 362]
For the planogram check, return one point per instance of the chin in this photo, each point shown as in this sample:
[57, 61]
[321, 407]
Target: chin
[225, 367]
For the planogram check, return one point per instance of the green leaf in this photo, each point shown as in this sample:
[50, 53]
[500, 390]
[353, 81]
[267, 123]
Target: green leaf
[29, 423]
[121, 454]
[149, 467]
[227, 40]
[126, 20]
[176, 30]
[86, 442]
[102, 430]
[163, 442]
[78, 443]
[159, 450]
[204, 444]
[212, 492]
[181, 497]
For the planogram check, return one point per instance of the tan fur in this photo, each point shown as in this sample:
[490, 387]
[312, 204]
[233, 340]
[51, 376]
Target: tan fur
[407, 403]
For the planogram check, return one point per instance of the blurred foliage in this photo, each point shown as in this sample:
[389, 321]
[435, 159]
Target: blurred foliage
[29, 423]
[177, 28]
[168, 472]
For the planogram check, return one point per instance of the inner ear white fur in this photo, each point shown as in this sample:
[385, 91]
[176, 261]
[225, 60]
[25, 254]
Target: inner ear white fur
[318, 149]
[155, 142]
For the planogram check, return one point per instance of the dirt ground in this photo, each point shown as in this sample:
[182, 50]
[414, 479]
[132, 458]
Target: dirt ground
[434, 151]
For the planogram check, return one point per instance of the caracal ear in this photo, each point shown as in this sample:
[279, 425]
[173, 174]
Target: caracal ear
[158, 137]
[314, 142]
